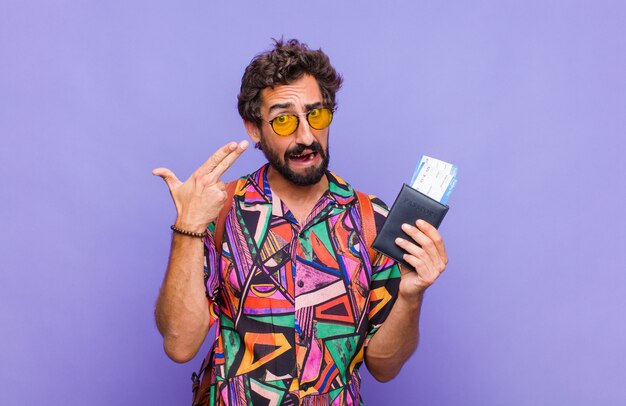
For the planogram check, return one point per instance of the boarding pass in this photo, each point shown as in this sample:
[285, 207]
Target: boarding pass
[434, 178]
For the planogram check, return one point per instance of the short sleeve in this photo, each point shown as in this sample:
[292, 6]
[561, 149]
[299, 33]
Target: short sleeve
[385, 280]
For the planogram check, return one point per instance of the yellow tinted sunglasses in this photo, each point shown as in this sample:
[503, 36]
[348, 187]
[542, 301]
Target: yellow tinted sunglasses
[287, 124]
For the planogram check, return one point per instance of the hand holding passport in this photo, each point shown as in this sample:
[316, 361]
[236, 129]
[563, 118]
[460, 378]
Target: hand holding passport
[426, 198]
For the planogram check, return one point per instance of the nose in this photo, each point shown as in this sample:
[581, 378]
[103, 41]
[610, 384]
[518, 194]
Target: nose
[304, 134]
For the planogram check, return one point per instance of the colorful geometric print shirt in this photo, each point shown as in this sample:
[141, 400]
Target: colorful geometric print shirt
[296, 303]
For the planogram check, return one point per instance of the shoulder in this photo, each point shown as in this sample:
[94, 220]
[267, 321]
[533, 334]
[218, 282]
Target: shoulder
[252, 186]
[379, 206]
[379, 209]
[342, 190]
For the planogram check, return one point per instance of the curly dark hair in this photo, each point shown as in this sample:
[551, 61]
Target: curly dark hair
[285, 64]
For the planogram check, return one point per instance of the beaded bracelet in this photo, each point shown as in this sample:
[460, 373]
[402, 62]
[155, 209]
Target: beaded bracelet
[188, 233]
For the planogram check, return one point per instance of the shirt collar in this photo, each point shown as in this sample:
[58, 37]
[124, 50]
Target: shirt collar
[257, 188]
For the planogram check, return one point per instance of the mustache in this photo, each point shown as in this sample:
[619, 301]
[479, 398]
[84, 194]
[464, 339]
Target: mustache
[299, 149]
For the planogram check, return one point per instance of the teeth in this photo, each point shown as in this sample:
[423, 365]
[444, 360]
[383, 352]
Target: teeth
[308, 156]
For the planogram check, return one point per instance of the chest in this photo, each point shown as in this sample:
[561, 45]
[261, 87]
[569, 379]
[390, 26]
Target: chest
[275, 265]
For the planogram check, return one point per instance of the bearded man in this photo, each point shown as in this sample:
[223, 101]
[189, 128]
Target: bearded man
[299, 297]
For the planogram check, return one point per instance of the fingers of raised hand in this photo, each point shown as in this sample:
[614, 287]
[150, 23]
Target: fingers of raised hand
[221, 160]
[207, 183]
[218, 189]
[220, 186]
[216, 158]
[168, 176]
[225, 163]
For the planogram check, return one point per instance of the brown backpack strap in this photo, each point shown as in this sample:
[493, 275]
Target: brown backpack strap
[220, 223]
[367, 222]
[201, 383]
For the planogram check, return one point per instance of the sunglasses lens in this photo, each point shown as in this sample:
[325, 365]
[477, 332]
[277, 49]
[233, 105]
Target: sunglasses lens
[320, 118]
[285, 125]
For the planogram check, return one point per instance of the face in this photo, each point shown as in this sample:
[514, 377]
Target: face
[302, 157]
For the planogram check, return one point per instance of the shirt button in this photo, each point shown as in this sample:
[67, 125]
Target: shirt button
[300, 283]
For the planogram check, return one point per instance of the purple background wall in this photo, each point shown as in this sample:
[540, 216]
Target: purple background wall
[527, 98]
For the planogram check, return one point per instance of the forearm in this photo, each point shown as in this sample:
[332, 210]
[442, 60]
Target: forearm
[396, 339]
[182, 314]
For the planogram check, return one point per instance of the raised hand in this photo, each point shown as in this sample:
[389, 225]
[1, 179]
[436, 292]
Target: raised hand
[429, 258]
[200, 198]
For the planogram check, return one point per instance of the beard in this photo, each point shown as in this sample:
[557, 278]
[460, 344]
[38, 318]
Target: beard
[311, 176]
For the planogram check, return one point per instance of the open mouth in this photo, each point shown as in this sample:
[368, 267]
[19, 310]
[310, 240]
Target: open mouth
[304, 157]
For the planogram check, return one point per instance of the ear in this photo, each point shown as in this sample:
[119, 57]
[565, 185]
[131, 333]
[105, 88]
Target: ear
[254, 132]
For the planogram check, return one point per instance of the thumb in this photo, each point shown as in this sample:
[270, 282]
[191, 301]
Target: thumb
[168, 176]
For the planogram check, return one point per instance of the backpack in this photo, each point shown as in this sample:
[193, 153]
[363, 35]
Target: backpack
[201, 385]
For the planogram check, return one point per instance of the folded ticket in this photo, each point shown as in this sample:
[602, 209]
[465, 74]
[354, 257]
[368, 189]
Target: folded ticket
[435, 178]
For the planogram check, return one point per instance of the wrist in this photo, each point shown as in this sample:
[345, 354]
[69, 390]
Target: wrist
[190, 226]
[411, 301]
[187, 233]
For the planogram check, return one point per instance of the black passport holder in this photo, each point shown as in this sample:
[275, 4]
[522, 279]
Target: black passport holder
[410, 205]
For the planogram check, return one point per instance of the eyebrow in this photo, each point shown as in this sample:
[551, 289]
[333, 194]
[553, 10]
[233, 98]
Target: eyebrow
[280, 106]
[308, 107]
[315, 105]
